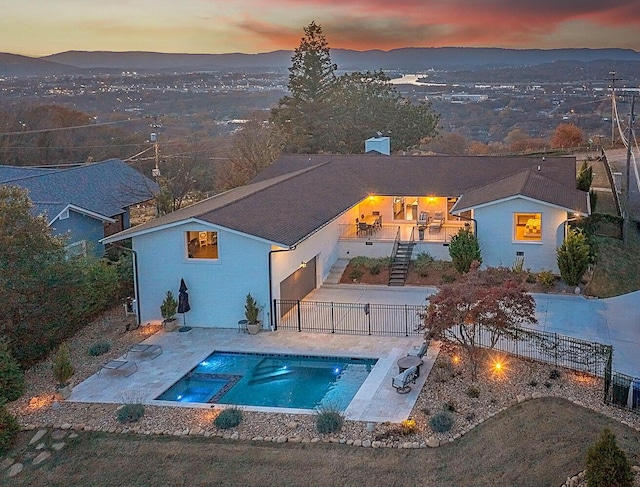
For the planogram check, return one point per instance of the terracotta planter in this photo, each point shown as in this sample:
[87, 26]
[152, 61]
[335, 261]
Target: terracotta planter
[170, 324]
[253, 328]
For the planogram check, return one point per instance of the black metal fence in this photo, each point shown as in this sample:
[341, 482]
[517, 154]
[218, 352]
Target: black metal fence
[622, 390]
[404, 320]
[347, 318]
[552, 348]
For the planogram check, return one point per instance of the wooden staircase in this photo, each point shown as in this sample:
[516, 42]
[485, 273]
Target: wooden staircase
[400, 263]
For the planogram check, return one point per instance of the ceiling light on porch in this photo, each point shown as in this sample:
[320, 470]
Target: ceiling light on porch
[431, 199]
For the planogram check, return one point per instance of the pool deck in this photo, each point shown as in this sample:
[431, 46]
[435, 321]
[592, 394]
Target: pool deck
[376, 401]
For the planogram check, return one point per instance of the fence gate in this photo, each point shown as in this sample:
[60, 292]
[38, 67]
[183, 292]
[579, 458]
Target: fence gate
[348, 318]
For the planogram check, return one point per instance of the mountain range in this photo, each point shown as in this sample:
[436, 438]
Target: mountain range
[404, 59]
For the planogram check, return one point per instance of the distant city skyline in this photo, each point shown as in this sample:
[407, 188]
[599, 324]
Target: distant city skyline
[42, 27]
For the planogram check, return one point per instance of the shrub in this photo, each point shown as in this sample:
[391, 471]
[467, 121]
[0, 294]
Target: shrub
[359, 261]
[169, 306]
[99, 348]
[473, 391]
[229, 418]
[449, 406]
[573, 257]
[607, 465]
[533, 383]
[62, 366]
[447, 278]
[329, 420]
[408, 427]
[130, 413]
[464, 249]
[546, 278]
[518, 265]
[375, 268]
[9, 427]
[355, 274]
[554, 374]
[441, 422]
[531, 278]
[422, 263]
[12, 383]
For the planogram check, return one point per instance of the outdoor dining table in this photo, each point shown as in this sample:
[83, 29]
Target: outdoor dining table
[409, 361]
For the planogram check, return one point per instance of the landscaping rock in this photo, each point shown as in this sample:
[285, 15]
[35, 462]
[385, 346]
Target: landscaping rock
[58, 446]
[38, 436]
[15, 469]
[41, 458]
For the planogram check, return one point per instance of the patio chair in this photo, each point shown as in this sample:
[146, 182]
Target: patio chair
[364, 227]
[420, 351]
[437, 221]
[401, 381]
[423, 218]
[123, 367]
[144, 349]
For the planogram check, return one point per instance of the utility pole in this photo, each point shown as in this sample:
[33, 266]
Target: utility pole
[613, 104]
[154, 139]
[626, 222]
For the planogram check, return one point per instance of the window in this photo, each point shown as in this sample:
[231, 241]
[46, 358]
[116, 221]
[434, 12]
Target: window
[528, 227]
[202, 245]
[405, 208]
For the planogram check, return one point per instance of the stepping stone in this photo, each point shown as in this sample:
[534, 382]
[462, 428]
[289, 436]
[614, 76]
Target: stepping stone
[6, 463]
[38, 436]
[73, 435]
[40, 446]
[15, 469]
[41, 458]
[58, 434]
[58, 446]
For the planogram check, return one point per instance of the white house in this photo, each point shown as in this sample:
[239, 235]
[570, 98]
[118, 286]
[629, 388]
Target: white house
[278, 237]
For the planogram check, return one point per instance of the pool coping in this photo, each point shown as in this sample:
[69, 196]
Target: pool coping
[375, 401]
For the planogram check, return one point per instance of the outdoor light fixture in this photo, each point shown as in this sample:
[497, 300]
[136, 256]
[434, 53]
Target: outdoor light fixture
[303, 264]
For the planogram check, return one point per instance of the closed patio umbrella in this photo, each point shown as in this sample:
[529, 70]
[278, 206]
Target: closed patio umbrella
[183, 305]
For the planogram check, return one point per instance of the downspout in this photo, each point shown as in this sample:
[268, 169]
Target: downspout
[135, 277]
[271, 306]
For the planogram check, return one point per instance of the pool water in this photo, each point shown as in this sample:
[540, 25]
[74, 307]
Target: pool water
[272, 380]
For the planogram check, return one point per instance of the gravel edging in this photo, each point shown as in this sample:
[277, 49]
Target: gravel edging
[449, 384]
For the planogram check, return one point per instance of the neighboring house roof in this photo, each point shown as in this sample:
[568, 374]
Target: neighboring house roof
[101, 189]
[298, 194]
[529, 184]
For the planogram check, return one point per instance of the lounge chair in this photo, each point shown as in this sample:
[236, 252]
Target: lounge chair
[420, 351]
[123, 367]
[144, 349]
[423, 219]
[401, 381]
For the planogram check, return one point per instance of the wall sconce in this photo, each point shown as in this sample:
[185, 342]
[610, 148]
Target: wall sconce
[303, 264]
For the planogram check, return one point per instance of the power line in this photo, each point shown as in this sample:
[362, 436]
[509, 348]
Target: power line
[58, 129]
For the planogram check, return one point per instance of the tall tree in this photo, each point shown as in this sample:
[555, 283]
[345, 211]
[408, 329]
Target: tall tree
[329, 114]
[311, 77]
[460, 311]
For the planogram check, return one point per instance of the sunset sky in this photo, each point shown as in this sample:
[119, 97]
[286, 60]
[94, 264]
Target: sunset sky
[41, 27]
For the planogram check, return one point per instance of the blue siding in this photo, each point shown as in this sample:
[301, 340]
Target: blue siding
[81, 227]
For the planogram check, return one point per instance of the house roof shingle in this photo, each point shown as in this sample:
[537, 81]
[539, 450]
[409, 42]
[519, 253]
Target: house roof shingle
[298, 194]
[528, 183]
[104, 188]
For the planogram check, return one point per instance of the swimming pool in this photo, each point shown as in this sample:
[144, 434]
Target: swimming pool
[272, 380]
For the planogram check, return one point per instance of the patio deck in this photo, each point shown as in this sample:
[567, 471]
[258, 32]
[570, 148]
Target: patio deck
[408, 231]
[376, 400]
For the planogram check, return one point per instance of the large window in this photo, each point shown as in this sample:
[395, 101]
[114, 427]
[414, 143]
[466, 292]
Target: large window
[405, 208]
[528, 227]
[202, 245]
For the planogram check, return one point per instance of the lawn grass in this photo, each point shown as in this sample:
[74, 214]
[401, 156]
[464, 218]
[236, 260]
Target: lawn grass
[538, 442]
[617, 270]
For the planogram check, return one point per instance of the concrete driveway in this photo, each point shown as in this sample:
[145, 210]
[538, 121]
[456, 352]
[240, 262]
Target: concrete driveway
[611, 321]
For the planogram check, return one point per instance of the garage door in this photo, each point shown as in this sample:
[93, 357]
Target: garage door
[299, 284]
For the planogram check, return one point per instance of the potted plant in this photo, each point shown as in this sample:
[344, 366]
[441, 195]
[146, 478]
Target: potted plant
[251, 312]
[169, 308]
[62, 371]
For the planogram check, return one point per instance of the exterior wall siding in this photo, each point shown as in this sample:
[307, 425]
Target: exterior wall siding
[217, 289]
[80, 227]
[496, 235]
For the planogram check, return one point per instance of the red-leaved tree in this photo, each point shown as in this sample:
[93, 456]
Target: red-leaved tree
[477, 311]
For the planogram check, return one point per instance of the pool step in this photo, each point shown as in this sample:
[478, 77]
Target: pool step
[269, 376]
